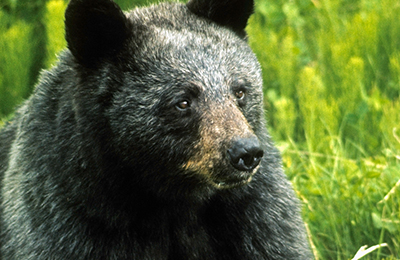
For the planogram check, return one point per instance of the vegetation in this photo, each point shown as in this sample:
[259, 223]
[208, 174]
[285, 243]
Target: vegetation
[331, 73]
[332, 91]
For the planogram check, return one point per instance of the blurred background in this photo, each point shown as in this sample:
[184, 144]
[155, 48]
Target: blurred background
[332, 94]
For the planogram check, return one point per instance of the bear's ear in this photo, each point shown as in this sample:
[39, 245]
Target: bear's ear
[230, 13]
[94, 29]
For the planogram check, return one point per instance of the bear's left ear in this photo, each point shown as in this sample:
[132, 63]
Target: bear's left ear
[229, 13]
[94, 29]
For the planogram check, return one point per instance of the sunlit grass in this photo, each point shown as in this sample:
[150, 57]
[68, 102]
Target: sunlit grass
[15, 63]
[54, 22]
[331, 72]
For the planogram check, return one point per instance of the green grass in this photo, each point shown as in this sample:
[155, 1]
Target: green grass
[331, 73]
[332, 91]
[15, 62]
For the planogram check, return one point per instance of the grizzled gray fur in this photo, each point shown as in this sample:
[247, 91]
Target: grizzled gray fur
[148, 141]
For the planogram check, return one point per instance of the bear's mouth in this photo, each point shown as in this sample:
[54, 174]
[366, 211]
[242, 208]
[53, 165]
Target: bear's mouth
[234, 181]
[229, 184]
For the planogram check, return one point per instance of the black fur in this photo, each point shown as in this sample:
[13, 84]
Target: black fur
[101, 163]
[230, 13]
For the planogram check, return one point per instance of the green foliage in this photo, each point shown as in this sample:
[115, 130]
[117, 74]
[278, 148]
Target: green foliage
[54, 23]
[331, 72]
[332, 89]
[15, 62]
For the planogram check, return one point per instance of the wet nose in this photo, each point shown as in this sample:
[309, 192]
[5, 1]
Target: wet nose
[245, 153]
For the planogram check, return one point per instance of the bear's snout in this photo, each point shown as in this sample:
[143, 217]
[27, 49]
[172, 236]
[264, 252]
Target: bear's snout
[245, 153]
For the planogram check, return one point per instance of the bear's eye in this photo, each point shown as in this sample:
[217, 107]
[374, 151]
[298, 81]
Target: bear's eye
[183, 105]
[240, 94]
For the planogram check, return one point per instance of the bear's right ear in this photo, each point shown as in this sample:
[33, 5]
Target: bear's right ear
[229, 13]
[94, 29]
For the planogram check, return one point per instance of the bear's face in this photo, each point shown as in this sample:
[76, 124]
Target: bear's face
[186, 98]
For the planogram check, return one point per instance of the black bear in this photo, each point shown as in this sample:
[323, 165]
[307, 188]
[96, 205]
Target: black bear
[148, 141]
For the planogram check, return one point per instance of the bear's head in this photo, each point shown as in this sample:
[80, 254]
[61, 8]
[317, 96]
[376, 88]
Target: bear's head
[178, 90]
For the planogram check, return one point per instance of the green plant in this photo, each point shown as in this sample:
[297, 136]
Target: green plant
[331, 73]
[15, 62]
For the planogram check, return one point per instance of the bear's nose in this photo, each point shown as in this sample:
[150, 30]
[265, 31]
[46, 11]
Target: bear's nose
[245, 153]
